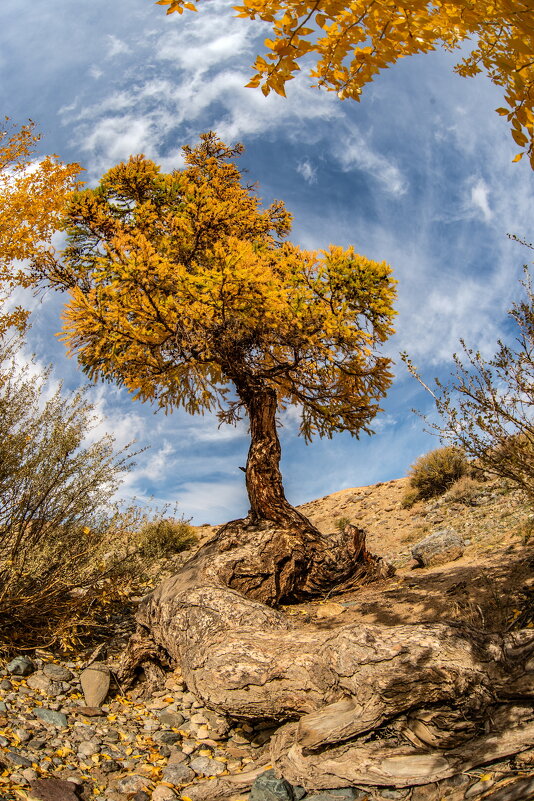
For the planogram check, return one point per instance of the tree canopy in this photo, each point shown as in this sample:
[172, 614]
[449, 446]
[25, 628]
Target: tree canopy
[184, 290]
[32, 197]
[350, 42]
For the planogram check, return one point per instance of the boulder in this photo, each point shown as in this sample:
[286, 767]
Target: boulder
[438, 548]
[267, 787]
[20, 666]
[95, 681]
[53, 790]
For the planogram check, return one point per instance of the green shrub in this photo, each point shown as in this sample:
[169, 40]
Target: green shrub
[433, 473]
[342, 523]
[165, 536]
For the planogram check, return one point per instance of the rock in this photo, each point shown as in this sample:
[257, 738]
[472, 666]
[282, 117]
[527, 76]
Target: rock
[133, 784]
[438, 548]
[340, 794]
[57, 719]
[6, 685]
[20, 666]
[204, 766]
[53, 790]
[38, 681]
[330, 609]
[163, 793]
[95, 681]
[4, 742]
[15, 758]
[89, 711]
[87, 748]
[172, 719]
[298, 792]
[110, 766]
[394, 794]
[57, 672]
[178, 773]
[168, 737]
[267, 787]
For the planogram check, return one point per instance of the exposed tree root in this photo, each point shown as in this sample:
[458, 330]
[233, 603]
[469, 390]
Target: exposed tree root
[361, 704]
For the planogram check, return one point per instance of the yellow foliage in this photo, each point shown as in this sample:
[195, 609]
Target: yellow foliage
[32, 198]
[181, 284]
[352, 41]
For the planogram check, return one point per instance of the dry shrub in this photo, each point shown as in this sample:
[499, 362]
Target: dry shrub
[164, 537]
[64, 557]
[434, 472]
[465, 491]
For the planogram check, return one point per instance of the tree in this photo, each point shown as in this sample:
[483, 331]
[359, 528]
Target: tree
[32, 197]
[182, 288]
[486, 408]
[351, 42]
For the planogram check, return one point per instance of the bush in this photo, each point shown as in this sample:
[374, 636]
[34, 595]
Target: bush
[433, 473]
[165, 536]
[465, 490]
[58, 522]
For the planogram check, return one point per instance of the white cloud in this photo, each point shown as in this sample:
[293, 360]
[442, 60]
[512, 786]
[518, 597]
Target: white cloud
[308, 171]
[116, 47]
[353, 152]
[480, 199]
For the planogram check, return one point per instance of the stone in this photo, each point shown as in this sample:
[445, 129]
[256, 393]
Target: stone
[20, 666]
[339, 794]
[95, 681]
[4, 742]
[133, 783]
[53, 790]
[178, 773]
[17, 759]
[89, 711]
[163, 793]
[438, 548]
[394, 794]
[57, 672]
[267, 787]
[38, 681]
[172, 719]
[330, 609]
[204, 766]
[57, 719]
[168, 737]
[87, 748]
[6, 685]
[298, 792]
[176, 756]
[110, 766]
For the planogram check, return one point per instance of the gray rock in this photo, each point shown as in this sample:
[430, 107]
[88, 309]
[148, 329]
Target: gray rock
[17, 759]
[20, 666]
[6, 685]
[3, 708]
[87, 749]
[168, 737]
[339, 794]
[23, 735]
[95, 681]
[298, 792]
[178, 773]
[204, 766]
[110, 766]
[438, 548]
[57, 672]
[4, 742]
[394, 795]
[57, 719]
[267, 787]
[133, 784]
[172, 719]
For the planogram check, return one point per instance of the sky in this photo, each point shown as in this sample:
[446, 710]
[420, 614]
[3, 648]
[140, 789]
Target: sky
[418, 174]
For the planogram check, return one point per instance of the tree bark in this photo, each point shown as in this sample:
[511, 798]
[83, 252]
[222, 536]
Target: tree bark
[263, 477]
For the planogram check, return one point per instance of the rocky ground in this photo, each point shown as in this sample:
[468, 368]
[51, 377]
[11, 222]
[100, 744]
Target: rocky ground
[60, 742]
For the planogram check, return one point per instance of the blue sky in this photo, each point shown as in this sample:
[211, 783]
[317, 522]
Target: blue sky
[419, 174]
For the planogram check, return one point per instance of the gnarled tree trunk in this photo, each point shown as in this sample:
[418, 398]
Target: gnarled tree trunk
[357, 704]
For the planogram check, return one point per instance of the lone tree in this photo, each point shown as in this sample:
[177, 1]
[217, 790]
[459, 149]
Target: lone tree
[183, 289]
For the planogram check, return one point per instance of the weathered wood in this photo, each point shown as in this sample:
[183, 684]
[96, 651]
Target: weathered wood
[358, 704]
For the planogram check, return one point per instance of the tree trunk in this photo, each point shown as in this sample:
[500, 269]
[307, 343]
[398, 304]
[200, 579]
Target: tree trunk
[263, 477]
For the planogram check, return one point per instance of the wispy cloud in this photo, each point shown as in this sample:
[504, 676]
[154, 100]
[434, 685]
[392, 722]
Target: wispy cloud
[308, 171]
